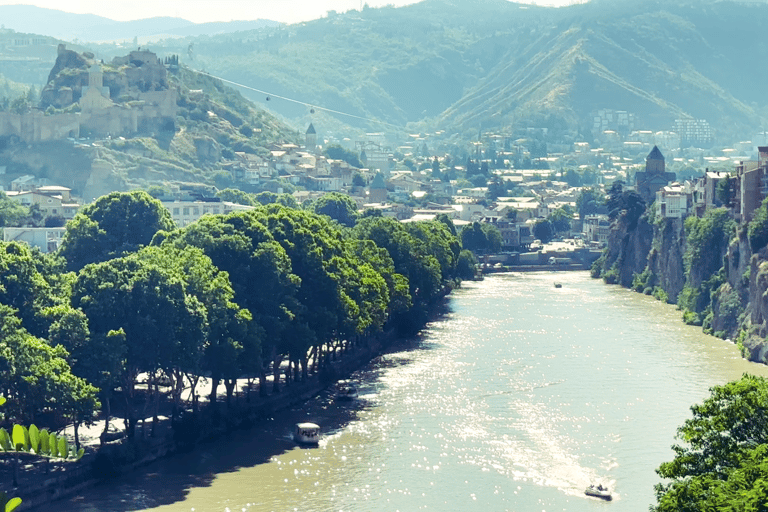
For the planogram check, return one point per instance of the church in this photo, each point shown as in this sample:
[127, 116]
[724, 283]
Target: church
[654, 178]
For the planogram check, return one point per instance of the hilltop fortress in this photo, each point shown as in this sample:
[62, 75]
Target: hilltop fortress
[84, 97]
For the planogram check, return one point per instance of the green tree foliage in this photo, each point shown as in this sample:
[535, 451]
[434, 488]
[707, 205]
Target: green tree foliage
[590, 201]
[757, 230]
[241, 245]
[543, 230]
[481, 237]
[339, 207]
[11, 212]
[23, 287]
[116, 224]
[722, 463]
[272, 198]
[467, 265]
[149, 304]
[36, 376]
[336, 152]
[237, 196]
[561, 220]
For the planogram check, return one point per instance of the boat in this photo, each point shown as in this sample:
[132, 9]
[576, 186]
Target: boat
[346, 392]
[558, 285]
[598, 491]
[307, 433]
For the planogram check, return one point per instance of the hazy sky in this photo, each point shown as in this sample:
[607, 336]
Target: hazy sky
[200, 11]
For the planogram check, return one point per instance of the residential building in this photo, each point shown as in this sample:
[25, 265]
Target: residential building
[753, 184]
[675, 200]
[185, 213]
[45, 239]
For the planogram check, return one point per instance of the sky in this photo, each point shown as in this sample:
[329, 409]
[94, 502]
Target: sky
[201, 11]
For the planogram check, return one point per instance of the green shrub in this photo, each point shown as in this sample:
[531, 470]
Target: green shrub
[691, 318]
[660, 294]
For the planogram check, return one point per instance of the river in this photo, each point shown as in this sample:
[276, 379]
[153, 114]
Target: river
[516, 398]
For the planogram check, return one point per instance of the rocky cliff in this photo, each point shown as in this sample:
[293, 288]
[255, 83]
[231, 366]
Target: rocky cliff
[704, 265]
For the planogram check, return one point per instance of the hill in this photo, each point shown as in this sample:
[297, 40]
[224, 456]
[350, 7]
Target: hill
[192, 145]
[461, 66]
[89, 28]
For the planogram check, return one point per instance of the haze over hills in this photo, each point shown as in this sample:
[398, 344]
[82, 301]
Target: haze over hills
[91, 28]
[493, 64]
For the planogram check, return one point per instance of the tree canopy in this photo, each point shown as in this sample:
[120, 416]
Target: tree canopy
[112, 226]
[722, 463]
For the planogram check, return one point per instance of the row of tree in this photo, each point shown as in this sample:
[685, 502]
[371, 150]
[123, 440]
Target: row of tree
[129, 293]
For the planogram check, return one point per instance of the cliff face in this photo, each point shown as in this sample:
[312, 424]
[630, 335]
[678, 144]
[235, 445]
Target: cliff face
[726, 285]
[627, 250]
[665, 260]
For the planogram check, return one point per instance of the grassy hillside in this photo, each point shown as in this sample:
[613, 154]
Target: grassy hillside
[459, 66]
[494, 63]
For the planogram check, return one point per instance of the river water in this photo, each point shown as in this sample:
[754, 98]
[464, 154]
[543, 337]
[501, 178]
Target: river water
[517, 398]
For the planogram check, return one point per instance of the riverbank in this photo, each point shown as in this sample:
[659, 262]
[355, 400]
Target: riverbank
[42, 481]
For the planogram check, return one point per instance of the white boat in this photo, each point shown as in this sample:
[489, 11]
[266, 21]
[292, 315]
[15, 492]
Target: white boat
[346, 392]
[598, 491]
[307, 433]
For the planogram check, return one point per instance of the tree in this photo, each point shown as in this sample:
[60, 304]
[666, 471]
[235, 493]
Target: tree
[114, 225]
[237, 196]
[358, 180]
[242, 245]
[721, 465]
[561, 220]
[37, 377]
[481, 237]
[146, 302]
[11, 212]
[590, 201]
[543, 230]
[339, 207]
[337, 152]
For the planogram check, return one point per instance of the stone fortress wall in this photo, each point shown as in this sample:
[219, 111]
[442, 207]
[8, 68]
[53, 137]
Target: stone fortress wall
[139, 108]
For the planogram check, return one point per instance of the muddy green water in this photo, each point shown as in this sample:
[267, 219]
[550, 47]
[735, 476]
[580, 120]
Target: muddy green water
[517, 398]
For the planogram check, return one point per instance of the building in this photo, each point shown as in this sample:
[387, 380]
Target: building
[185, 213]
[654, 178]
[45, 239]
[311, 138]
[596, 228]
[694, 132]
[675, 201]
[752, 184]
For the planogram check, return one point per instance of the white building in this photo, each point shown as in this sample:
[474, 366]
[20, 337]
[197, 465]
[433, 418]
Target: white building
[675, 200]
[45, 239]
[185, 213]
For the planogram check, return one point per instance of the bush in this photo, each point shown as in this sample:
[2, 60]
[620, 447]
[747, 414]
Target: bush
[691, 318]
[660, 294]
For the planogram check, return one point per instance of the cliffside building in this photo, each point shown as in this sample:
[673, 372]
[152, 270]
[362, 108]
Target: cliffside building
[654, 178]
[752, 184]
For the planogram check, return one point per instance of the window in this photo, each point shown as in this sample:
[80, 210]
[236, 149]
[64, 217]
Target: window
[175, 211]
[186, 211]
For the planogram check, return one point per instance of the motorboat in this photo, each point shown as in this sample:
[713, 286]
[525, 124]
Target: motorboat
[346, 392]
[598, 491]
[307, 433]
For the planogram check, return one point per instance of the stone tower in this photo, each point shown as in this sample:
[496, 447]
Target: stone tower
[311, 135]
[654, 178]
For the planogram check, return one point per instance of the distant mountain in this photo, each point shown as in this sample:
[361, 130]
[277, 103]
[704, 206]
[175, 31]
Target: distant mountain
[91, 28]
[461, 66]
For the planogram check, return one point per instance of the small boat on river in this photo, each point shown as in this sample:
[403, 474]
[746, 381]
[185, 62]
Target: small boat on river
[598, 491]
[346, 392]
[307, 433]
